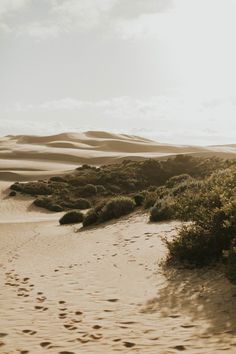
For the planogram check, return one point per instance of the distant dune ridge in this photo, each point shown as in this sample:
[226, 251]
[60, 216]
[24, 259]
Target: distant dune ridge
[25, 157]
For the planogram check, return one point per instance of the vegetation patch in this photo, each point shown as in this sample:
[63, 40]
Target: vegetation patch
[72, 217]
[200, 191]
[116, 208]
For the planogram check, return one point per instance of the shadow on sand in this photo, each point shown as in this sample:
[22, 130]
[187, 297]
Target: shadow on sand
[202, 294]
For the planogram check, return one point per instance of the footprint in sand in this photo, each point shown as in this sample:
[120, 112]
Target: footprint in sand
[41, 308]
[29, 331]
[41, 299]
[61, 302]
[62, 315]
[96, 336]
[112, 300]
[3, 335]
[97, 327]
[179, 347]
[129, 344]
[78, 312]
[83, 341]
[187, 326]
[70, 327]
[45, 344]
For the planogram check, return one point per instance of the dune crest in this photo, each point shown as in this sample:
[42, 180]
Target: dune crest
[27, 157]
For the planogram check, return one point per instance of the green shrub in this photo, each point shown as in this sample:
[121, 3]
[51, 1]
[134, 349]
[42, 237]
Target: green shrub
[175, 180]
[79, 203]
[57, 179]
[139, 199]
[162, 210]
[42, 202]
[149, 200]
[88, 190]
[32, 188]
[55, 207]
[230, 260]
[90, 218]
[117, 207]
[12, 194]
[193, 245]
[72, 217]
[100, 189]
[211, 205]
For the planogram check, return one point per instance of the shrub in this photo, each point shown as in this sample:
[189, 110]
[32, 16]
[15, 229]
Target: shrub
[211, 205]
[88, 190]
[100, 189]
[230, 259]
[32, 188]
[149, 200]
[12, 194]
[42, 202]
[162, 210]
[72, 217]
[175, 180]
[79, 203]
[90, 218]
[138, 198]
[55, 207]
[117, 207]
[194, 245]
[57, 179]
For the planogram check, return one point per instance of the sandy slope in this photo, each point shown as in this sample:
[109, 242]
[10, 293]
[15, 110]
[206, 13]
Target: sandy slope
[22, 157]
[103, 290]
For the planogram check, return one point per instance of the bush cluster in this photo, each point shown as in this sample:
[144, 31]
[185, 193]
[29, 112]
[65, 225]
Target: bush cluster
[72, 217]
[113, 209]
[209, 205]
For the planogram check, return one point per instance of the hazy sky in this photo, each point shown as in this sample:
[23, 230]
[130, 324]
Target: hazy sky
[165, 69]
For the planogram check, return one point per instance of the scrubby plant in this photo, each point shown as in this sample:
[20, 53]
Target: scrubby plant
[230, 262]
[164, 209]
[57, 179]
[117, 207]
[211, 207]
[79, 203]
[12, 194]
[42, 202]
[55, 207]
[100, 189]
[175, 180]
[88, 190]
[32, 188]
[194, 245]
[139, 199]
[90, 218]
[71, 217]
[149, 199]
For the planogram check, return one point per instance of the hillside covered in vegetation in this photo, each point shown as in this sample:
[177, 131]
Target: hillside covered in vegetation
[199, 191]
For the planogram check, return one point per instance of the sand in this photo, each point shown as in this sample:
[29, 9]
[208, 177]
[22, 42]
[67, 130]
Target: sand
[24, 157]
[103, 290]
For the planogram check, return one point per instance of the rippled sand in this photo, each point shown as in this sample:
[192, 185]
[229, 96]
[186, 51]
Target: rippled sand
[103, 290]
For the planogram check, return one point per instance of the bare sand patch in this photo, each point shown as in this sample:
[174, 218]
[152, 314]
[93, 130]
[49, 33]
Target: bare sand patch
[103, 290]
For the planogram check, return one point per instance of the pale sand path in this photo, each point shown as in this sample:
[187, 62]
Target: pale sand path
[87, 292]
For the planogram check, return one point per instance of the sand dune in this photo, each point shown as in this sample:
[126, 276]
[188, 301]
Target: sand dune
[103, 290]
[25, 157]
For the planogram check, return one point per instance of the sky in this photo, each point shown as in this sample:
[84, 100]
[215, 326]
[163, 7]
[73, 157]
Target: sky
[163, 69]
